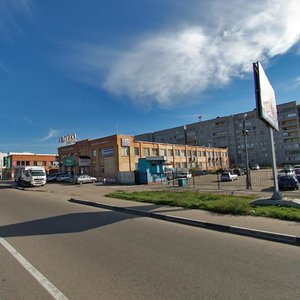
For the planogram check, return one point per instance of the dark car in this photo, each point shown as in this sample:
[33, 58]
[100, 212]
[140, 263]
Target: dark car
[70, 179]
[54, 176]
[288, 183]
[238, 172]
[297, 172]
[200, 172]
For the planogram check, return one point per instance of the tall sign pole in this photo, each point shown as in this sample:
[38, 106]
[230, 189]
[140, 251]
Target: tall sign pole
[267, 112]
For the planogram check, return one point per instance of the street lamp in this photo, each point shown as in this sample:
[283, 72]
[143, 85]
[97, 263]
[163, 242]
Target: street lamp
[245, 133]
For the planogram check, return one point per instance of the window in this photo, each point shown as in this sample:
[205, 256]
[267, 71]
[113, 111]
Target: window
[146, 152]
[125, 151]
[18, 163]
[189, 153]
[170, 152]
[177, 153]
[136, 151]
[182, 153]
[184, 165]
[94, 153]
[44, 163]
[35, 163]
[177, 165]
[27, 163]
[155, 151]
[101, 169]
[162, 152]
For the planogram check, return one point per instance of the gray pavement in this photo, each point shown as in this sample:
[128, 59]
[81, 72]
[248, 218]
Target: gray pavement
[258, 227]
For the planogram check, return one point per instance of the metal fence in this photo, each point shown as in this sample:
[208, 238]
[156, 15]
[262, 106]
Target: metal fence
[261, 180]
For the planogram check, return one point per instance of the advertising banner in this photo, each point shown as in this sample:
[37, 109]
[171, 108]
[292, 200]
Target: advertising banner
[265, 97]
[69, 162]
[107, 152]
[84, 162]
[125, 142]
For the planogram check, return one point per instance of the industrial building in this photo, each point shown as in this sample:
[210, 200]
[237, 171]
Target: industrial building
[227, 131]
[14, 162]
[113, 156]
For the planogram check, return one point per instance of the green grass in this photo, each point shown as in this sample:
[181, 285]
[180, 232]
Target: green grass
[223, 204]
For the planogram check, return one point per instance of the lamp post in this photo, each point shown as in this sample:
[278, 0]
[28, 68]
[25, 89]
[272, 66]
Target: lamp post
[245, 133]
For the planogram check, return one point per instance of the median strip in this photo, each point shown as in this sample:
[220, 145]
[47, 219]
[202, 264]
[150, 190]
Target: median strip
[260, 234]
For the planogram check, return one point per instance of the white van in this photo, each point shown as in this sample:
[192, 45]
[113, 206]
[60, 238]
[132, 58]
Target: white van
[32, 176]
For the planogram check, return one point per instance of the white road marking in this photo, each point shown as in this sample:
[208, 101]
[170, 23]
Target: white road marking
[42, 280]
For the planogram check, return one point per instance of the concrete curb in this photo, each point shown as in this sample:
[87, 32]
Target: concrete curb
[259, 234]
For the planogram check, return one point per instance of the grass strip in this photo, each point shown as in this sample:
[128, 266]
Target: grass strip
[218, 203]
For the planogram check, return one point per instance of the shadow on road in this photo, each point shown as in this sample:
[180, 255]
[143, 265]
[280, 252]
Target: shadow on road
[71, 223]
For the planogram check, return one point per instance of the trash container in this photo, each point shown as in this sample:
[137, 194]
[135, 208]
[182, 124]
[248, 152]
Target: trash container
[181, 181]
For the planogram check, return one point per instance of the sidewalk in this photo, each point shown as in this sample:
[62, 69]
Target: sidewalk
[259, 227]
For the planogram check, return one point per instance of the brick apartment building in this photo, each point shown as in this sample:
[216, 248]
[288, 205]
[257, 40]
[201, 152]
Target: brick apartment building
[106, 157]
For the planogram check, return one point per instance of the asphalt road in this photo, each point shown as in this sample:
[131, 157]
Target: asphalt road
[92, 253]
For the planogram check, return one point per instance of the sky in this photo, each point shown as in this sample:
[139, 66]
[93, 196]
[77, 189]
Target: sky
[97, 68]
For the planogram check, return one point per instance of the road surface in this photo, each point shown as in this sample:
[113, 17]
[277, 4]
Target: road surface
[90, 253]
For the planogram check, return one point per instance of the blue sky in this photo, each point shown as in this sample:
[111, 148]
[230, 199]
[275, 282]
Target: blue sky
[97, 67]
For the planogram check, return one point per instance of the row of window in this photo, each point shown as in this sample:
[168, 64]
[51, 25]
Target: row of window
[35, 163]
[169, 152]
[125, 151]
[179, 165]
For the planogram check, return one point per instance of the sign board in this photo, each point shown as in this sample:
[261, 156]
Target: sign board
[8, 162]
[69, 161]
[107, 152]
[125, 142]
[265, 97]
[68, 139]
[156, 158]
[84, 162]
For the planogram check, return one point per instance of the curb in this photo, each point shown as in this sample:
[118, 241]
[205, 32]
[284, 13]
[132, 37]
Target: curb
[259, 234]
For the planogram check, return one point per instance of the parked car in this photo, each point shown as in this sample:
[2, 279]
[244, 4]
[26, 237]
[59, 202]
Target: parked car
[186, 175]
[201, 172]
[84, 179]
[238, 172]
[255, 167]
[70, 179]
[286, 172]
[53, 177]
[296, 167]
[297, 174]
[288, 183]
[227, 176]
[288, 168]
[62, 177]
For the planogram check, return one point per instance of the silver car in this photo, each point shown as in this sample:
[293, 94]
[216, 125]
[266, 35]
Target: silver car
[84, 179]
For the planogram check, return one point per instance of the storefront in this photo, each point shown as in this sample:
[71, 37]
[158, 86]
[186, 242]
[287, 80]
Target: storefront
[68, 165]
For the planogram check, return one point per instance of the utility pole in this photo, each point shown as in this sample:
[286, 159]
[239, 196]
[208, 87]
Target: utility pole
[245, 133]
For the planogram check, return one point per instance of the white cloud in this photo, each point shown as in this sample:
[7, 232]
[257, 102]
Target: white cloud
[189, 59]
[10, 10]
[297, 80]
[27, 119]
[51, 134]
